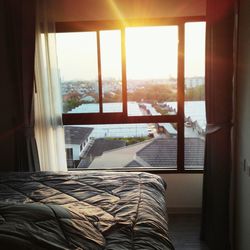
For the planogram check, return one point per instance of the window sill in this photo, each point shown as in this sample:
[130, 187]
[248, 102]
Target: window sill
[149, 170]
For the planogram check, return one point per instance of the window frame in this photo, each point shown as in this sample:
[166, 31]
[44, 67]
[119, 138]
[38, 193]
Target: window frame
[122, 117]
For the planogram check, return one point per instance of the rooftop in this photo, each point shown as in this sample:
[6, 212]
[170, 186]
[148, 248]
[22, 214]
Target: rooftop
[76, 135]
[117, 158]
[163, 152]
[99, 146]
[158, 152]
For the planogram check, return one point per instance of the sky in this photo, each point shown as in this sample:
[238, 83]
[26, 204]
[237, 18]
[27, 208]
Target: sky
[151, 53]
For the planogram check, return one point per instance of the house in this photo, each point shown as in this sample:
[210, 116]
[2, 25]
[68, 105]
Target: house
[12, 136]
[99, 146]
[77, 141]
[157, 153]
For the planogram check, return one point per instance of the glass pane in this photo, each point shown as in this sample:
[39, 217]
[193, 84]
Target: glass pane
[110, 42]
[195, 115]
[116, 146]
[78, 70]
[152, 54]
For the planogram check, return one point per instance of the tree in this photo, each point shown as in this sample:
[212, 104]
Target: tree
[153, 93]
[71, 100]
[196, 93]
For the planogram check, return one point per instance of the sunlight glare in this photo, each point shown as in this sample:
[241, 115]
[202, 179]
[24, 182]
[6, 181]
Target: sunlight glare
[117, 11]
[195, 49]
[77, 55]
[110, 41]
[152, 52]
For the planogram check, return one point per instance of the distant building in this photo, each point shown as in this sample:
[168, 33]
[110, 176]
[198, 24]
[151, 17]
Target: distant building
[168, 129]
[194, 81]
[88, 98]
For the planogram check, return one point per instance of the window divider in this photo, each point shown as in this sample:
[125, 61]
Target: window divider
[114, 118]
[124, 73]
[99, 72]
[93, 25]
[181, 93]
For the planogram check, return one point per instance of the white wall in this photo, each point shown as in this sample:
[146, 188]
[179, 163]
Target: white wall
[79, 10]
[76, 150]
[184, 192]
[243, 132]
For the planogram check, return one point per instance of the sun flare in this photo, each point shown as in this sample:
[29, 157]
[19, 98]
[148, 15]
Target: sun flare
[152, 52]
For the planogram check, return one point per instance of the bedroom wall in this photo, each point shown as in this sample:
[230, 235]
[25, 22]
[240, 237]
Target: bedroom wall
[184, 192]
[242, 217]
[64, 10]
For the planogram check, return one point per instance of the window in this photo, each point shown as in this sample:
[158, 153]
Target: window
[135, 92]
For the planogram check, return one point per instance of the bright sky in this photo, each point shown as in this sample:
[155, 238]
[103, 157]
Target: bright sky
[195, 49]
[151, 53]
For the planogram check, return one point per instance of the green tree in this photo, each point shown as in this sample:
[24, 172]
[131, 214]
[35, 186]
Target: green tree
[196, 93]
[71, 100]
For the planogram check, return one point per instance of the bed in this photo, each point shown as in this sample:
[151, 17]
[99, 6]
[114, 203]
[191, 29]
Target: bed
[83, 210]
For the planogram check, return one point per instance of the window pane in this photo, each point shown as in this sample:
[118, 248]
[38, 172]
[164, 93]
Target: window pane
[110, 42]
[151, 54]
[116, 146]
[78, 69]
[195, 116]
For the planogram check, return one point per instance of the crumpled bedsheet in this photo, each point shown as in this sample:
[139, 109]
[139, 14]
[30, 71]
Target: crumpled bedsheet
[83, 210]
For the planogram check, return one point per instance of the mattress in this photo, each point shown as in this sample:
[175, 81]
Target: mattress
[83, 210]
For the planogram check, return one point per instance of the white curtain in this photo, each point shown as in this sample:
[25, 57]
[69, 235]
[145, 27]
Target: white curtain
[49, 130]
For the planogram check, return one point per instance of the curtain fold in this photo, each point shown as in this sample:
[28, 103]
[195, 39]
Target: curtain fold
[219, 96]
[48, 111]
[20, 35]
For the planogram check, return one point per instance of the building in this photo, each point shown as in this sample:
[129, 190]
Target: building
[77, 141]
[99, 146]
[155, 153]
